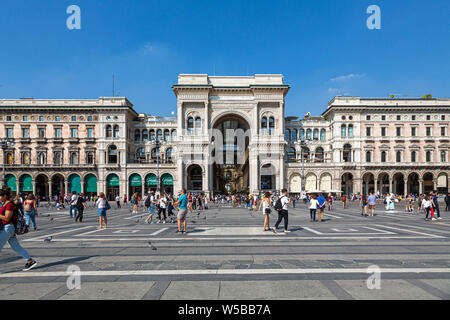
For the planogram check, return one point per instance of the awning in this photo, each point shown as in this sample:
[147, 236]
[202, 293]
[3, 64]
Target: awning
[135, 180]
[26, 183]
[167, 180]
[75, 183]
[151, 180]
[90, 183]
[113, 180]
[11, 182]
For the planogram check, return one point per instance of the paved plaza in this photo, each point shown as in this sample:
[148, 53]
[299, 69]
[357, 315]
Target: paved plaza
[226, 255]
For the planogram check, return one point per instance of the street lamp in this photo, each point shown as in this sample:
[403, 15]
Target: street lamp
[302, 144]
[158, 143]
[5, 144]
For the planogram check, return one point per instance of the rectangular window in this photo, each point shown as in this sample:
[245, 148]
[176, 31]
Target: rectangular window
[74, 132]
[9, 132]
[399, 131]
[442, 131]
[25, 118]
[8, 118]
[89, 118]
[399, 118]
[428, 131]
[90, 132]
[74, 118]
[428, 117]
[413, 131]
[57, 118]
[41, 132]
[367, 117]
[383, 131]
[41, 118]
[25, 132]
[443, 117]
[413, 118]
[383, 118]
[368, 131]
[57, 132]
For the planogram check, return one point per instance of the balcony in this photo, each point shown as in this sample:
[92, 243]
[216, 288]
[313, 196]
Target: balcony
[57, 140]
[41, 140]
[24, 140]
[89, 140]
[73, 140]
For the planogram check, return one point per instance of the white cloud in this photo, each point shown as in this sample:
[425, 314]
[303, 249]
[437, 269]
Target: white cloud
[347, 77]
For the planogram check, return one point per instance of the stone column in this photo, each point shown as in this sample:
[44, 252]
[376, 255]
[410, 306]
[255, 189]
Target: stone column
[375, 188]
[49, 189]
[405, 192]
[180, 175]
[390, 185]
[420, 186]
[254, 172]
[66, 186]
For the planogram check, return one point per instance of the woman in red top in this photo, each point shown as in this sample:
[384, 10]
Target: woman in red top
[8, 218]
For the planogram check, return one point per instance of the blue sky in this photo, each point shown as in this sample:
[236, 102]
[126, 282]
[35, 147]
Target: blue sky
[323, 47]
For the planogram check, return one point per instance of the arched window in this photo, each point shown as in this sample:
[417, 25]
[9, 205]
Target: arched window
[174, 135]
[287, 134]
[290, 155]
[198, 126]
[73, 158]
[144, 135]
[294, 135]
[383, 156]
[166, 135]
[413, 156]
[319, 154]
[323, 136]
[316, 134]
[112, 154]
[116, 131]
[343, 130]
[140, 154]
[90, 158]
[347, 153]
[302, 134]
[57, 158]
[308, 134]
[26, 158]
[155, 153]
[169, 154]
[137, 135]
[368, 156]
[108, 131]
[443, 156]
[159, 135]
[428, 156]
[271, 126]
[306, 154]
[41, 158]
[350, 130]
[264, 126]
[190, 126]
[9, 158]
[398, 156]
[152, 135]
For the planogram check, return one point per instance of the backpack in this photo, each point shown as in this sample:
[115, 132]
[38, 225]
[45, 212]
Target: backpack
[147, 202]
[278, 205]
[20, 224]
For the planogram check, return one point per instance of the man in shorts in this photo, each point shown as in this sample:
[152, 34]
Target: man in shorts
[372, 202]
[182, 204]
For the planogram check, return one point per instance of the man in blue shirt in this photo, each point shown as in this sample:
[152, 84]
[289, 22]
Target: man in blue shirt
[321, 208]
[182, 203]
[436, 204]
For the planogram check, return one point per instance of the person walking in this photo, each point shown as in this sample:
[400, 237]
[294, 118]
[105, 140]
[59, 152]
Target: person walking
[283, 213]
[118, 202]
[330, 202]
[427, 205]
[434, 195]
[30, 210]
[162, 209]
[344, 201]
[80, 205]
[265, 204]
[8, 219]
[151, 207]
[447, 202]
[102, 206]
[313, 205]
[72, 208]
[372, 199]
[134, 202]
[364, 204]
[182, 204]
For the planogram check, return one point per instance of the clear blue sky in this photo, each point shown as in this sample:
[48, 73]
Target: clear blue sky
[323, 48]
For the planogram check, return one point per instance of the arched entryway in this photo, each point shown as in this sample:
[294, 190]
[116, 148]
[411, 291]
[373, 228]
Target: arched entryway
[26, 184]
[151, 183]
[310, 182]
[295, 184]
[368, 184]
[58, 188]
[90, 185]
[167, 183]
[112, 186]
[347, 183]
[195, 178]
[398, 184]
[383, 183]
[74, 183]
[268, 177]
[428, 183]
[442, 183]
[42, 187]
[135, 185]
[325, 182]
[230, 154]
[413, 184]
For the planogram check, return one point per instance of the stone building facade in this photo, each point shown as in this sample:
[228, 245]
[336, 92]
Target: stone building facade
[103, 145]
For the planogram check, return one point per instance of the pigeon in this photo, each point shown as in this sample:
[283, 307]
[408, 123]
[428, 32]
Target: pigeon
[152, 246]
[51, 219]
[48, 239]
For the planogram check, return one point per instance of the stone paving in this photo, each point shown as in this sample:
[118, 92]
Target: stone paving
[227, 255]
